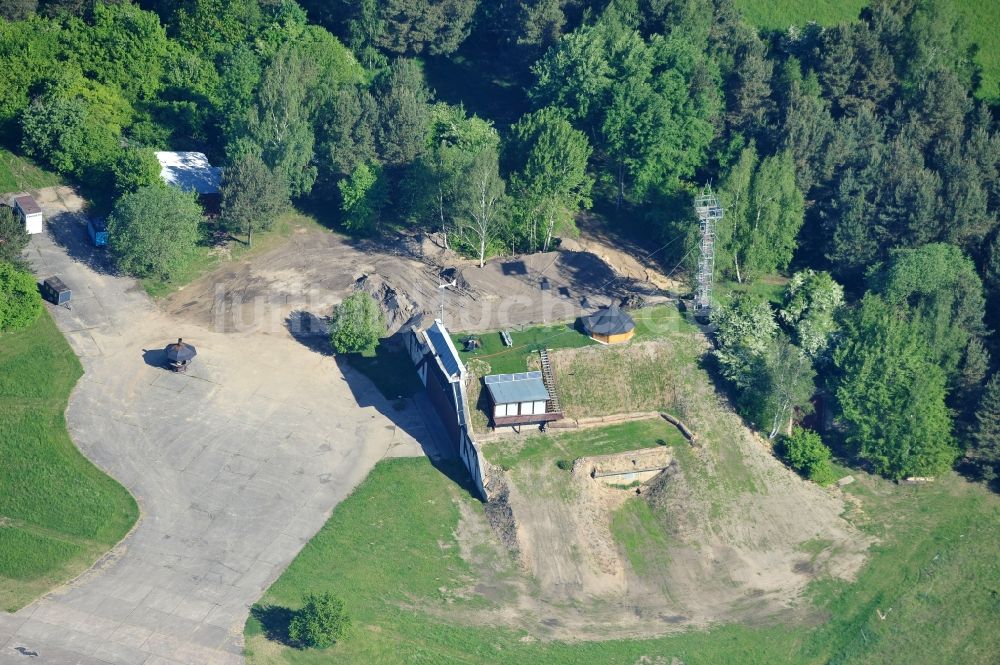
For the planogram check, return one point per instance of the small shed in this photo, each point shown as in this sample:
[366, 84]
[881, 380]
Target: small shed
[192, 172]
[609, 325]
[98, 231]
[28, 210]
[518, 399]
[55, 291]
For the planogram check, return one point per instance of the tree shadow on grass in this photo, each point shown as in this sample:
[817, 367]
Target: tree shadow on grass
[274, 622]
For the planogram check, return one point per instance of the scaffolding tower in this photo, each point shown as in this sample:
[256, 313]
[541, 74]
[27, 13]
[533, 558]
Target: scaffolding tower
[706, 205]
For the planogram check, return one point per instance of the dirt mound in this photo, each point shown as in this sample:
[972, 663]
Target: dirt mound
[397, 308]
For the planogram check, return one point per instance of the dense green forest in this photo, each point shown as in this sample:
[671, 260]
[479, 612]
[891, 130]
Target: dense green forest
[854, 158]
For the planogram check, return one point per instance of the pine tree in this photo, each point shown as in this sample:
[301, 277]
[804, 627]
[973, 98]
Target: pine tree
[986, 439]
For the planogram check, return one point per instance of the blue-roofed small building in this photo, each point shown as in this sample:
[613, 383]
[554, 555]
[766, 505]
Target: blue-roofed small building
[519, 399]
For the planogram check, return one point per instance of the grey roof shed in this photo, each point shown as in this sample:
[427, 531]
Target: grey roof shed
[515, 388]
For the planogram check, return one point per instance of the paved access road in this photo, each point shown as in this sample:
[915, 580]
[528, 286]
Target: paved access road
[234, 465]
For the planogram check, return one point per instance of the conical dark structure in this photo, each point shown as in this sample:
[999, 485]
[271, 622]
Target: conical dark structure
[180, 354]
[609, 325]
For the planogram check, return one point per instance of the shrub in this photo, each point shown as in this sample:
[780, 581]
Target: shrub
[13, 237]
[357, 324]
[321, 621]
[20, 303]
[805, 452]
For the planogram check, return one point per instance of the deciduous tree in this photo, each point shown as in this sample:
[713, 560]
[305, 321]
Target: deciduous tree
[892, 394]
[320, 623]
[483, 200]
[550, 178]
[362, 198]
[357, 324]
[252, 195]
[805, 452]
[812, 303]
[152, 232]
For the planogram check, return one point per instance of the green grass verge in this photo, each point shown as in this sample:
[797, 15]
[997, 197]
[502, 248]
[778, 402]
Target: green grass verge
[205, 258]
[391, 553]
[58, 512]
[651, 372]
[20, 173]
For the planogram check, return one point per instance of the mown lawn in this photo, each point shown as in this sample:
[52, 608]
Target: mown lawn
[980, 23]
[526, 343]
[58, 512]
[20, 173]
[391, 553]
[206, 257]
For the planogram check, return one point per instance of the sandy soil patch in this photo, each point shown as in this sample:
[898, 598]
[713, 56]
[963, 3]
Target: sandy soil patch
[315, 270]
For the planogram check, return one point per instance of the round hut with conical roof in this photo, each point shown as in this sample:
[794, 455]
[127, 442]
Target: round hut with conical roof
[180, 355]
[609, 325]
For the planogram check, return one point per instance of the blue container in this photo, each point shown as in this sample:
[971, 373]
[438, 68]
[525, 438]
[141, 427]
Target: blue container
[98, 230]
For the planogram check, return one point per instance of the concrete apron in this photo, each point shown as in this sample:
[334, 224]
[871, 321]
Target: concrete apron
[235, 466]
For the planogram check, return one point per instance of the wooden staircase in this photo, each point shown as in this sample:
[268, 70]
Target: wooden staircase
[552, 406]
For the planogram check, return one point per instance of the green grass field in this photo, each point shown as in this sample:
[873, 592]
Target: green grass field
[390, 552]
[58, 512]
[980, 22]
[19, 173]
[778, 15]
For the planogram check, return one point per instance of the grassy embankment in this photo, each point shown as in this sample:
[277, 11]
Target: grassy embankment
[391, 553]
[19, 173]
[406, 584]
[980, 22]
[58, 512]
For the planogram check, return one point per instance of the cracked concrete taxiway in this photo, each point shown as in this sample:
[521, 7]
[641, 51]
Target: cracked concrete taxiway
[235, 465]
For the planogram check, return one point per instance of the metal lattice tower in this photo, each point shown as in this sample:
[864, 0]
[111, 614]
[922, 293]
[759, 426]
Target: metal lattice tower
[709, 212]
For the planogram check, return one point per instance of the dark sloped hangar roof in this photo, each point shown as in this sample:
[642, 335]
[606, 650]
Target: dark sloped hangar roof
[610, 320]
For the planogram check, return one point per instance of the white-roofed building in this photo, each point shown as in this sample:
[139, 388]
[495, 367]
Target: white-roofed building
[192, 172]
